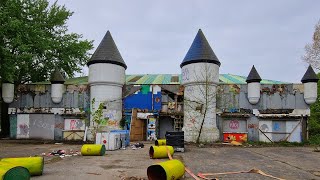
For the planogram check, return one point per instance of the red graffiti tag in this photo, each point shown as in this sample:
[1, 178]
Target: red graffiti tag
[234, 124]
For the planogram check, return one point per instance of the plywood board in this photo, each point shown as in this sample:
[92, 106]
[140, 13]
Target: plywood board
[138, 128]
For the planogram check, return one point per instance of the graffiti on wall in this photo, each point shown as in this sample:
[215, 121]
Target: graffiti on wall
[23, 130]
[276, 126]
[240, 137]
[185, 74]
[23, 126]
[252, 126]
[234, 124]
[112, 118]
[113, 123]
[264, 128]
[74, 124]
[40, 123]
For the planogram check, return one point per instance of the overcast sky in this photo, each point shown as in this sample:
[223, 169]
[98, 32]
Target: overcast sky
[154, 36]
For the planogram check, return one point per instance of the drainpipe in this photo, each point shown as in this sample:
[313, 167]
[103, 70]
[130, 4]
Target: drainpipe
[152, 97]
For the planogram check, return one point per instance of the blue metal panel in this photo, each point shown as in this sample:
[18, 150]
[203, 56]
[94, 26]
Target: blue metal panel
[140, 101]
[157, 101]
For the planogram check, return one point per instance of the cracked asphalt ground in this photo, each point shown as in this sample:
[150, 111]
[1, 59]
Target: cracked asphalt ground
[282, 162]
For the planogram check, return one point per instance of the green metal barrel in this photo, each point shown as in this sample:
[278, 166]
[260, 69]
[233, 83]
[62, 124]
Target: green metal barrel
[13, 172]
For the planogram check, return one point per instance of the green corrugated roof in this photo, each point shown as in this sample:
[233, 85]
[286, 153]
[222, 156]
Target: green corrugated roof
[169, 79]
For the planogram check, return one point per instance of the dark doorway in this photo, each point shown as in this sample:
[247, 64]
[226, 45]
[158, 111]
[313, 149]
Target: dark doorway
[4, 119]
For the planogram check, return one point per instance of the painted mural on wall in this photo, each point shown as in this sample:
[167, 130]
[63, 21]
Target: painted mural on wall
[23, 126]
[239, 137]
[235, 125]
[151, 128]
[280, 130]
[111, 118]
[38, 126]
[74, 124]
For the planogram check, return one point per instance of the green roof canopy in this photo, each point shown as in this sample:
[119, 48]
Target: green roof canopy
[139, 79]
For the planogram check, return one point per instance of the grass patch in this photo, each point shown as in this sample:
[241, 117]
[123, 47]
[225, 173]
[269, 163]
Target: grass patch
[313, 141]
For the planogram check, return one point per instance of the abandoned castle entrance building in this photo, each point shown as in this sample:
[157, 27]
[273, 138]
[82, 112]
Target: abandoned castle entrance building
[223, 107]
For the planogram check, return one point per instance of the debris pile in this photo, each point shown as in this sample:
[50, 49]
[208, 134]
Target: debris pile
[137, 145]
[62, 153]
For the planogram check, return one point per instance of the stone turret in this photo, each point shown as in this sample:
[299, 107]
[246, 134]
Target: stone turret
[310, 80]
[254, 86]
[7, 92]
[200, 77]
[57, 86]
[106, 79]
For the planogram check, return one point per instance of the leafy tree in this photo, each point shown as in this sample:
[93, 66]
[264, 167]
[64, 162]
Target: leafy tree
[312, 55]
[34, 39]
[314, 122]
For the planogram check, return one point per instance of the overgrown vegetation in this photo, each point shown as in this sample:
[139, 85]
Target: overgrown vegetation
[314, 121]
[312, 57]
[34, 40]
[97, 118]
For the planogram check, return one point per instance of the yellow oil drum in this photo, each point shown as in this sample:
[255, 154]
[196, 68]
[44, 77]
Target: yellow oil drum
[156, 152]
[168, 170]
[33, 164]
[12, 172]
[160, 142]
[93, 150]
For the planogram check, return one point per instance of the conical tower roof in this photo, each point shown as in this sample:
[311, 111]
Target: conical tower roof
[56, 77]
[107, 52]
[253, 76]
[200, 51]
[310, 76]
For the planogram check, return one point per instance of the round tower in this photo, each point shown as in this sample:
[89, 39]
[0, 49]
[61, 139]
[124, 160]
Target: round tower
[310, 80]
[106, 79]
[254, 86]
[200, 77]
[7, 92]
[57, 86]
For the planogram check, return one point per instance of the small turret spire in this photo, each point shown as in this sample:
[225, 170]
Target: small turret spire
[310, 76]
[107, 52]
[253, 76]
[56, 77]
[200, 51]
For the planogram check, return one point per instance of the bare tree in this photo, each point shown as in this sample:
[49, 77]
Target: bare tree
[312, 55]
[200, 99]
